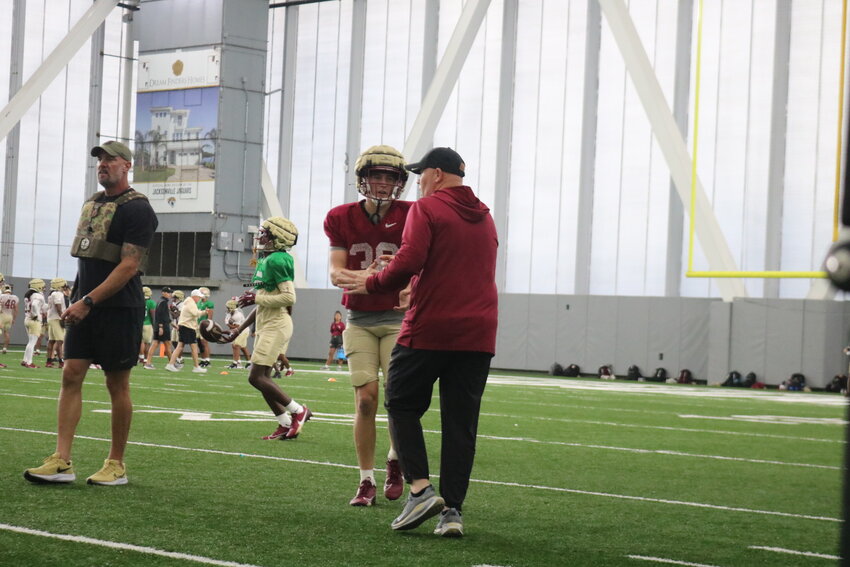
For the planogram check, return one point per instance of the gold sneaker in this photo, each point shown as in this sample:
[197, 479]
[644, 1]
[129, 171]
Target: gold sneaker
[113, 473]
[54, 470]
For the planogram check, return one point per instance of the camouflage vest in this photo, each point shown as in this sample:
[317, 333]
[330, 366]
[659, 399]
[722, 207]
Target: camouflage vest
[93, 227]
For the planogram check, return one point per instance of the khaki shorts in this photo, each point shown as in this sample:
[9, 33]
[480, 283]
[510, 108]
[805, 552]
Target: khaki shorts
[271, 340]
[242, 340]
[147, 334]
[55, 332]
[33, 327]
[175, 336]
[367, 349]
[5, 321]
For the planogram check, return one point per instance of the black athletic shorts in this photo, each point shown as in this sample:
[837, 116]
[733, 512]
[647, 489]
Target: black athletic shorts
[336, 341]
[108, 336]
[186, 335]
[162, 334]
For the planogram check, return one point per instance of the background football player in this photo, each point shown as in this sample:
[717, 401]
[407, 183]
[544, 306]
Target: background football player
[273, 281]
[360, 233]
[207, 308]
[33, 306]
[8, 314]
[55, 327]
[147, 324]
[232, 320]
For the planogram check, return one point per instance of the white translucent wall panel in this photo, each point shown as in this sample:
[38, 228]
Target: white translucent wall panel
[5, 68]
[631, 176]
[469, 123]
[734, 130]
[52, 159]
[546, 122]
[319, 130]
[392, 75]
[274, 88]
[811, 139]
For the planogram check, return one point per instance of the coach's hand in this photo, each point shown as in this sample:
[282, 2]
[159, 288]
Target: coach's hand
[75, 313]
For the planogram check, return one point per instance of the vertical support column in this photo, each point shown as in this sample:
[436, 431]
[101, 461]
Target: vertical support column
[429, 49]
[287, 110]
[355, 93]
[681, 95]
[13, 139]
[95, 104]
[587, 174]
[776, 159]
[504, 134]
[128, 85]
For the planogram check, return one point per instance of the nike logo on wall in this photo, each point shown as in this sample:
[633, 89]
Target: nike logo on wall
[391, 224]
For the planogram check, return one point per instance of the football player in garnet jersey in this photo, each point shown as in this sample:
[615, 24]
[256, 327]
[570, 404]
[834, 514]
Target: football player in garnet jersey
[360, 233]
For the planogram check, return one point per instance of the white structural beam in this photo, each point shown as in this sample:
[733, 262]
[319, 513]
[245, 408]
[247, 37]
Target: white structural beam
[270, 207]
[672, 145]
[445, 77]
[55, 62]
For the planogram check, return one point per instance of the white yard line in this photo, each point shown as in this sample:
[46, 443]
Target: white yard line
[793, 552]
[668, 561]
[481, 481]
[125, 547]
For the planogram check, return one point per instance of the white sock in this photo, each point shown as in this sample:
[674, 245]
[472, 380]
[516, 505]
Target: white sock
[294, 407]
[370, 474]
[392, 455]
[284, 419]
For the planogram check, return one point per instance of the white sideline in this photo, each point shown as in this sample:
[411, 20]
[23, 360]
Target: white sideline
[480, 481]
[793, 552]
[126, 547]
[668, 561]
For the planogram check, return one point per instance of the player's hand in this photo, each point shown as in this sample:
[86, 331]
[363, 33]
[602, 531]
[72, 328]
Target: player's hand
[246, 299]
[403, 300]
[354, 281]
[228, 336]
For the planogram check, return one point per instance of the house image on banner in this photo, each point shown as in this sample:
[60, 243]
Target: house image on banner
[172, 141]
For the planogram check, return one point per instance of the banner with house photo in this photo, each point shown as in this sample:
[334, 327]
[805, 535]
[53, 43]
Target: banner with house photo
[176, 129]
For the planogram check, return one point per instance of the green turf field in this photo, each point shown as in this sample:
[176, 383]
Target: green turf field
[568, 472]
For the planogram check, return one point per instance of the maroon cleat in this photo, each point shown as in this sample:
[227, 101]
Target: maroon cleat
[298, 421]
[289, 372]
[394, 484]
[279, 433]
[28, 365]
[365, 494]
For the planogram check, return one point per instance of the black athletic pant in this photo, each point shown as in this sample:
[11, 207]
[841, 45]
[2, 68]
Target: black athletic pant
[410, 382]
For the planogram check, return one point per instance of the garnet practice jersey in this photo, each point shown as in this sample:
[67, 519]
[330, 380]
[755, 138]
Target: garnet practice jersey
[348, 227]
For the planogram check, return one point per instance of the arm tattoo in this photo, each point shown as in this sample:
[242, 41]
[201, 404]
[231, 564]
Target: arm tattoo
[132, 251]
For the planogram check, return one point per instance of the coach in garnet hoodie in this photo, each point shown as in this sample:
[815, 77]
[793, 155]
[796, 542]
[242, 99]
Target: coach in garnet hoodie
[449, 333]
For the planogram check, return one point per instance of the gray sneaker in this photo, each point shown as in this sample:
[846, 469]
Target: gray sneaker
[450, 524]
[418, 509]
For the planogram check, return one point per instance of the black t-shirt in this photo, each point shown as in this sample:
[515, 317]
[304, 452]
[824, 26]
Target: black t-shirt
[134, 223]
[162, 315]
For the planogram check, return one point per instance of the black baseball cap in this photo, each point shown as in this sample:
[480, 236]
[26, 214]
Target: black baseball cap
[442, 158]
[167, 289]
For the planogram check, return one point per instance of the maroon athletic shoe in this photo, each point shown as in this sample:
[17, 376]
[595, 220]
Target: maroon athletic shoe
[279, 433]
[365, 494]
[394, 484]
[298, 421]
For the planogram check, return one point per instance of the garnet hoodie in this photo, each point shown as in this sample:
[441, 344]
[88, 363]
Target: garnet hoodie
[448, 248]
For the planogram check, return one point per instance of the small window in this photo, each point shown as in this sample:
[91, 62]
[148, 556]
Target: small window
[180, 254]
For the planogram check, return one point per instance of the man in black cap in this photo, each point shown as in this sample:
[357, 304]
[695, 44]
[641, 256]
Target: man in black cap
[448, 333]
[104, 320]
[161, 328]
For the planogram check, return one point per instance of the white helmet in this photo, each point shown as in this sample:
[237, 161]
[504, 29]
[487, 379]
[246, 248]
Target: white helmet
[37, 284]
[381, 158]
[205, 291]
